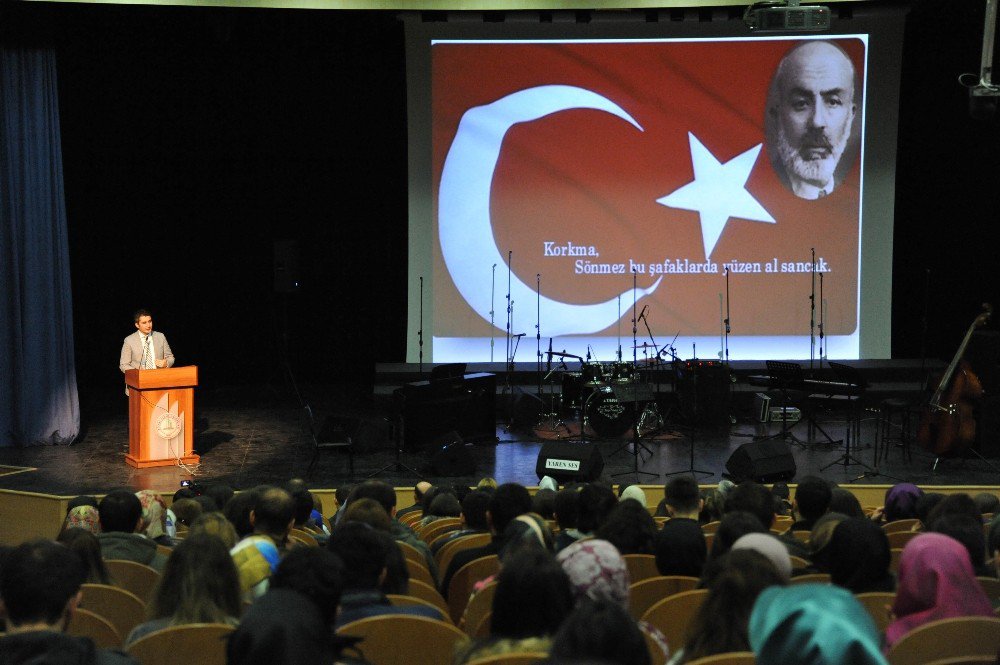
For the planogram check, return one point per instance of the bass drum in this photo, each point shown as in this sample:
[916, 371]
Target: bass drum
[572, 390]
[607, 415]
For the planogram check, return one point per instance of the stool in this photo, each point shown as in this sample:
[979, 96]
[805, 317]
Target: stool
[890, 410]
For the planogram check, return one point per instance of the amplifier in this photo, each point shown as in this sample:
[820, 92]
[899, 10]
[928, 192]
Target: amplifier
[791, 414]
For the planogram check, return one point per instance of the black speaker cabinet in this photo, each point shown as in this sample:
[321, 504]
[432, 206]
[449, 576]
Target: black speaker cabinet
[762, 461]
[703, 392]
[569, 461]
[451, 456]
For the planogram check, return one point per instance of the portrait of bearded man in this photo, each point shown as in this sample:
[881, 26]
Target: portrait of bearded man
[812, 139]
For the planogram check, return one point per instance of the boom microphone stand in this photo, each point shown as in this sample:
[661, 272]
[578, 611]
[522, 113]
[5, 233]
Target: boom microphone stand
[493, 293]
[812, 311]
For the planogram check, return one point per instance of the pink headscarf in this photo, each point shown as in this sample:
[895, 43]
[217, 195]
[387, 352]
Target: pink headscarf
[596, 570]
[936, 581]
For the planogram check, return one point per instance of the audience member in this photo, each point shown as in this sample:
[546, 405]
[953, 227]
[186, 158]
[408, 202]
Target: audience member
[474, 507]
[925, 504]
[935, 581]
[734, 580]
[596, 570]
[370, 512]
[386, 496]
[819, 541]
[81, 500]
[682, 498]
[83, 517]
[544, 503]
[602, 631]
[206, 503]
[215, 524]
[993, 544]
[86, 546]
[121, 517]
[237, 511]
[770, 547]
[508, 501]
[594, 504]
[900, 503]
[418, 496]
[635, 493]
[220, 493]
[813, 623]
[680, 547]
[532, 598]
[843, 501]
[859, 557]
[812, 499]
[630, 528]
[970, 533]
[488, 484]
[40, 587]
[566, 514]
[781, 494]
[256, 556]
[365, 553]
[713, 504]
[752, 498]
[316, 573]
[987, 503]
[732, 527]
[154, 517]
[186, 511]
[445, 504]
[199, 585]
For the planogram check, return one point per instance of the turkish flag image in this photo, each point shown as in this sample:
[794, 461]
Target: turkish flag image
[587, 165]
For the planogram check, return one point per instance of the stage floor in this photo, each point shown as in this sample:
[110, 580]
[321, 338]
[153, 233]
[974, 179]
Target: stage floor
[252, 435]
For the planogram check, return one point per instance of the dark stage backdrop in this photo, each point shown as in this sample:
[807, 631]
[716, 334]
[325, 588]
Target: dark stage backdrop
[194, 138]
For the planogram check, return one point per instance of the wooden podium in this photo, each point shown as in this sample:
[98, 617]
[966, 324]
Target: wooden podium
[161, 416]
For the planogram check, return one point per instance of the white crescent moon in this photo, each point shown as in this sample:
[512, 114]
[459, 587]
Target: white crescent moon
[465, 228]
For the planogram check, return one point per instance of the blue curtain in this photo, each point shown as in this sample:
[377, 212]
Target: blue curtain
[38, 395]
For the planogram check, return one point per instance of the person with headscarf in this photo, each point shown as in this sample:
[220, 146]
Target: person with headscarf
[813, 623]
[154, 517]
[770, 547]
[859, 557]
[83, 517]
[819, 541]
[936, 581]
[900, 503]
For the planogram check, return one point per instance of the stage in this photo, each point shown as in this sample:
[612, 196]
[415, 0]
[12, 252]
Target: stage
[248, 435]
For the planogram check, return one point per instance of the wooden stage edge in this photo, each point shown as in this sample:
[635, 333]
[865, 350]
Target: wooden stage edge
[28, 515]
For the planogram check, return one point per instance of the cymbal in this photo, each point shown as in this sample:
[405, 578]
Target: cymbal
[644, 345]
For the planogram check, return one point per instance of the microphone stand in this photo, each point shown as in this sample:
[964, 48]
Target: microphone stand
[822, 318]
[420, 330]
[493, 295]
[538, 331]
[508, 388]
[726, 320]
[812, 311]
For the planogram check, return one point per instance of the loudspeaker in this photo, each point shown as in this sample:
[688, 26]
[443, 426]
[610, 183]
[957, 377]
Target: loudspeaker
[568, 461]
[451, 456]
[762, 461]
[703, 391]
[286, 266]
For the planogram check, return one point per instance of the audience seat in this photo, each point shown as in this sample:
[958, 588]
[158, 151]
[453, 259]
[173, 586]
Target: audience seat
[798, 562]
[202, 643]
[991, 585]
[478, 606]
[947, 638]
[984, 659]
[90, 624]
[521, 658]
[400, 600]
[482, 629]
[304, 537]
[879, 606]
[411, 552]
[900, 525]
[802, 535]
[731, 658]
[123, 609]
[430, 531]
[645, 593]
[448, 552]
[429, 593]
[895, 553]
[418, 571]
[673, 614]
[135, 577]
[399, 639]
[412, 517]
[463, 580]
[656, 654]
[640, 567]
[711, 527]
[811, 578]
[900, 538]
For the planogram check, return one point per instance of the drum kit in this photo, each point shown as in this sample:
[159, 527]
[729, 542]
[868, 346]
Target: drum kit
[608, 396]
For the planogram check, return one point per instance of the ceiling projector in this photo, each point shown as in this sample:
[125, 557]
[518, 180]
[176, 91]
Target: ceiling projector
[788, 18]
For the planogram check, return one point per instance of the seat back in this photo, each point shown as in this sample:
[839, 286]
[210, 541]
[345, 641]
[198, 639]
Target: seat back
[135, 577]
[879, 606]
[673, 614]
[900, 538]
[991, 586]
[515, 658]
[431, 530]
[947, 638]
[640, 566]
[397, 639]
[464, 578]
[123, 609]
[202, 643]
[89, 624]
[645, 593]
[811, 578]
[412, 553]
[478, 606]
[448, 552]
[900, 525]
[418, 571]
[400, 600]
[429, 593]
[304, 537]
[731, 658]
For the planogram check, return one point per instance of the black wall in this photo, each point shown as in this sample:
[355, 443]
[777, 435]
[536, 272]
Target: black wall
[194, 137]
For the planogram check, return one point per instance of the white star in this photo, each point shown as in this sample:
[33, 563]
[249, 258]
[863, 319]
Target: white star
[717, 192]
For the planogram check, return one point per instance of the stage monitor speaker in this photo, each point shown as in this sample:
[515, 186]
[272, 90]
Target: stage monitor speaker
[762, 461]
[286, 266]
[569, 461]
[450, 456]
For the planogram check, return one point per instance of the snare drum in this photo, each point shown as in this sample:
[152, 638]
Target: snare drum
[607, 415]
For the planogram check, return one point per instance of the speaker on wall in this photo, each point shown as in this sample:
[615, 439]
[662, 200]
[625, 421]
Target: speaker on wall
[762, 461]
[569, 461]
[450, 456]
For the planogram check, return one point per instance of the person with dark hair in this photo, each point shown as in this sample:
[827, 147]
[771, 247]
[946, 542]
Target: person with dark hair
[384, 493]
[316, 573]
[532, 598]
[859, 557]
[968, 531]
[305, 504]
[732, 527]
[340, 497]
[752, 498]
[812, 499]
[365, 553]
[199, 585]
[595, 503]
[220, 493]
[680, 548]
[216, 525]
[734, 580]
[473, 516]
[600, 630]
[630, 528]
[713, 504]
[565, 510]
[954, 505]
[987, 502]
[544, 503]
[925, 504]
[86, 545]
[781, 494]
[186, 511]
[237, 511]
[843, 501]
[256, 556]
[819, 542]
[370, 512]
[445, 504]
[508, 501]
[121, 517]
[682, 498]
[40, 591]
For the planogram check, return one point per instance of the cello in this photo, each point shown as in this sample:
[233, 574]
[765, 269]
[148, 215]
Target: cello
[947, 425]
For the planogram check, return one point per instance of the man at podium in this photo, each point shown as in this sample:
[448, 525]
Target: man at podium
[145, 349]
